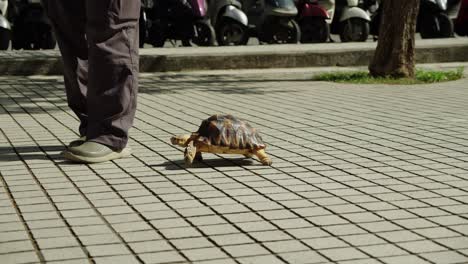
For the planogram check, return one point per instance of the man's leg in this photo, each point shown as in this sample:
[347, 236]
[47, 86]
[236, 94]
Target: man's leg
[113, 39]
[68, 20]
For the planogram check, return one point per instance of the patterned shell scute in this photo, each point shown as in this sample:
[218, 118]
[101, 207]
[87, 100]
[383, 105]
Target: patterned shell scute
[228, 131]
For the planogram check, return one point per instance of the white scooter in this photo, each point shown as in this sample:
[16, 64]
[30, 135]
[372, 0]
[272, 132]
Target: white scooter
[5, 28]
[230, 22]
[350, 21]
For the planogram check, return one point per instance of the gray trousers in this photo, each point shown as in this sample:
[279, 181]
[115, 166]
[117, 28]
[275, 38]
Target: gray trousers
[98, 40]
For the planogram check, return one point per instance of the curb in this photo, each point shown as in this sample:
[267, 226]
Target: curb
[243, 57]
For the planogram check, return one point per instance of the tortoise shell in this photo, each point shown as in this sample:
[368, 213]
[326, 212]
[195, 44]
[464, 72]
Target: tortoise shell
[229, 131]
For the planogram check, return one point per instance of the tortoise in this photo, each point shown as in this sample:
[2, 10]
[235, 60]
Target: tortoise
[222, 134]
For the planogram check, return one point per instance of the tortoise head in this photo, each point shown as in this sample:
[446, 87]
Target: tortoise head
[180, 140]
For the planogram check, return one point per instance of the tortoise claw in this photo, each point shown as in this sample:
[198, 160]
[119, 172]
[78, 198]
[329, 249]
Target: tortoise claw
[189, 154]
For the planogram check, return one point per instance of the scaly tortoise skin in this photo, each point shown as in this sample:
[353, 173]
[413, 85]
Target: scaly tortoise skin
[222, 134]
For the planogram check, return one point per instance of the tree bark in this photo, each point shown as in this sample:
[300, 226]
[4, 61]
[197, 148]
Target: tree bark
[394, 55]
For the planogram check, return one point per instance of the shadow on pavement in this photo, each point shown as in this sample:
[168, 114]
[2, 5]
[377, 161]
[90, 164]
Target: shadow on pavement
[226, 84]
[209, 163]
[31, 153]
[36, 94]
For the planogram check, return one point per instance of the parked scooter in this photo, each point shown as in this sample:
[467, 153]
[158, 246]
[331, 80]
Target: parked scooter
[273, 21]
[31, 29]
[184, 20]
[461, 22]
[432, 20]
[5, 28]
[314, 18]
[146, 5]
[350, 21]
[230, 22]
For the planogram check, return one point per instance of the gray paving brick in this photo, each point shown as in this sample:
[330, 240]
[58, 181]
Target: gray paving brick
[364, 239]
[436, 232]
[16, 246]
[245, 250]
[46, 223]
[231, 239]
[92, 230]
[303, 257]
[310, 232]
[421, 246]
[381, 226]
[131, 226]
[454, 242]
[63, 253]
[123, 259]
[150, 246]
[403, 259]
[463, 229]
[272, 235]
[85, 221]
[71, 261]
[445, 257]
[107, 250]
[191, 243]
[400, 236]
[20, 257]
[99, 239]
[162, 257]
[140, 236]
[51, 232]
[255, 226]
[383, 250]
[13, 236]
[204, 254]
[415, 223]
[285, 246]
[180, 232]
[360, 261]
[325, 242]
[337, 254]
[57, 242]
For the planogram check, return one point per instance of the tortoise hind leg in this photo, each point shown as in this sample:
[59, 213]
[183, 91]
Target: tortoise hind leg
[248, 155]
[198, 157]
[190, 153]
[263, 157]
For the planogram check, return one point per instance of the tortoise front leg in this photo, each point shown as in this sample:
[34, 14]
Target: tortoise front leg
[263, 157]
[190, 153]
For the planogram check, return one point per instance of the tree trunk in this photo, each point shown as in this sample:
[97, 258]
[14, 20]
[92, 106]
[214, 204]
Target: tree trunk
[394, 55]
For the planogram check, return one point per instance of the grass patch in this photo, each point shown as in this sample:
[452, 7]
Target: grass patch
[363, 77]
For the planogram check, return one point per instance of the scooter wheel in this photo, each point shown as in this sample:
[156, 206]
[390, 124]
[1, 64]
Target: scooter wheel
[445, 26]
[5, 36]
[436, 26]
[230, 32]
[48, 40]
[280, 31]
[314, 30]
[205, 34]
[354, 29]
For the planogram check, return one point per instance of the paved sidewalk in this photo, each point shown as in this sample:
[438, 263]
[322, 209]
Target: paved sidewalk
[361, 174]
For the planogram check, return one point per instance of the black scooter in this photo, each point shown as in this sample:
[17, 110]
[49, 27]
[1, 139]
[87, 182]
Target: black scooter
[5, 28]
[185, 20]
[272, 21]
[432, 20]
[31, 29]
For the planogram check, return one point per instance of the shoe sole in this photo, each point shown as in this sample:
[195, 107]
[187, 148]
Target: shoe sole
[126, 152]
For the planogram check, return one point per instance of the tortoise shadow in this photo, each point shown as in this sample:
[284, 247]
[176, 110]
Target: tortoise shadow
[207, 163]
